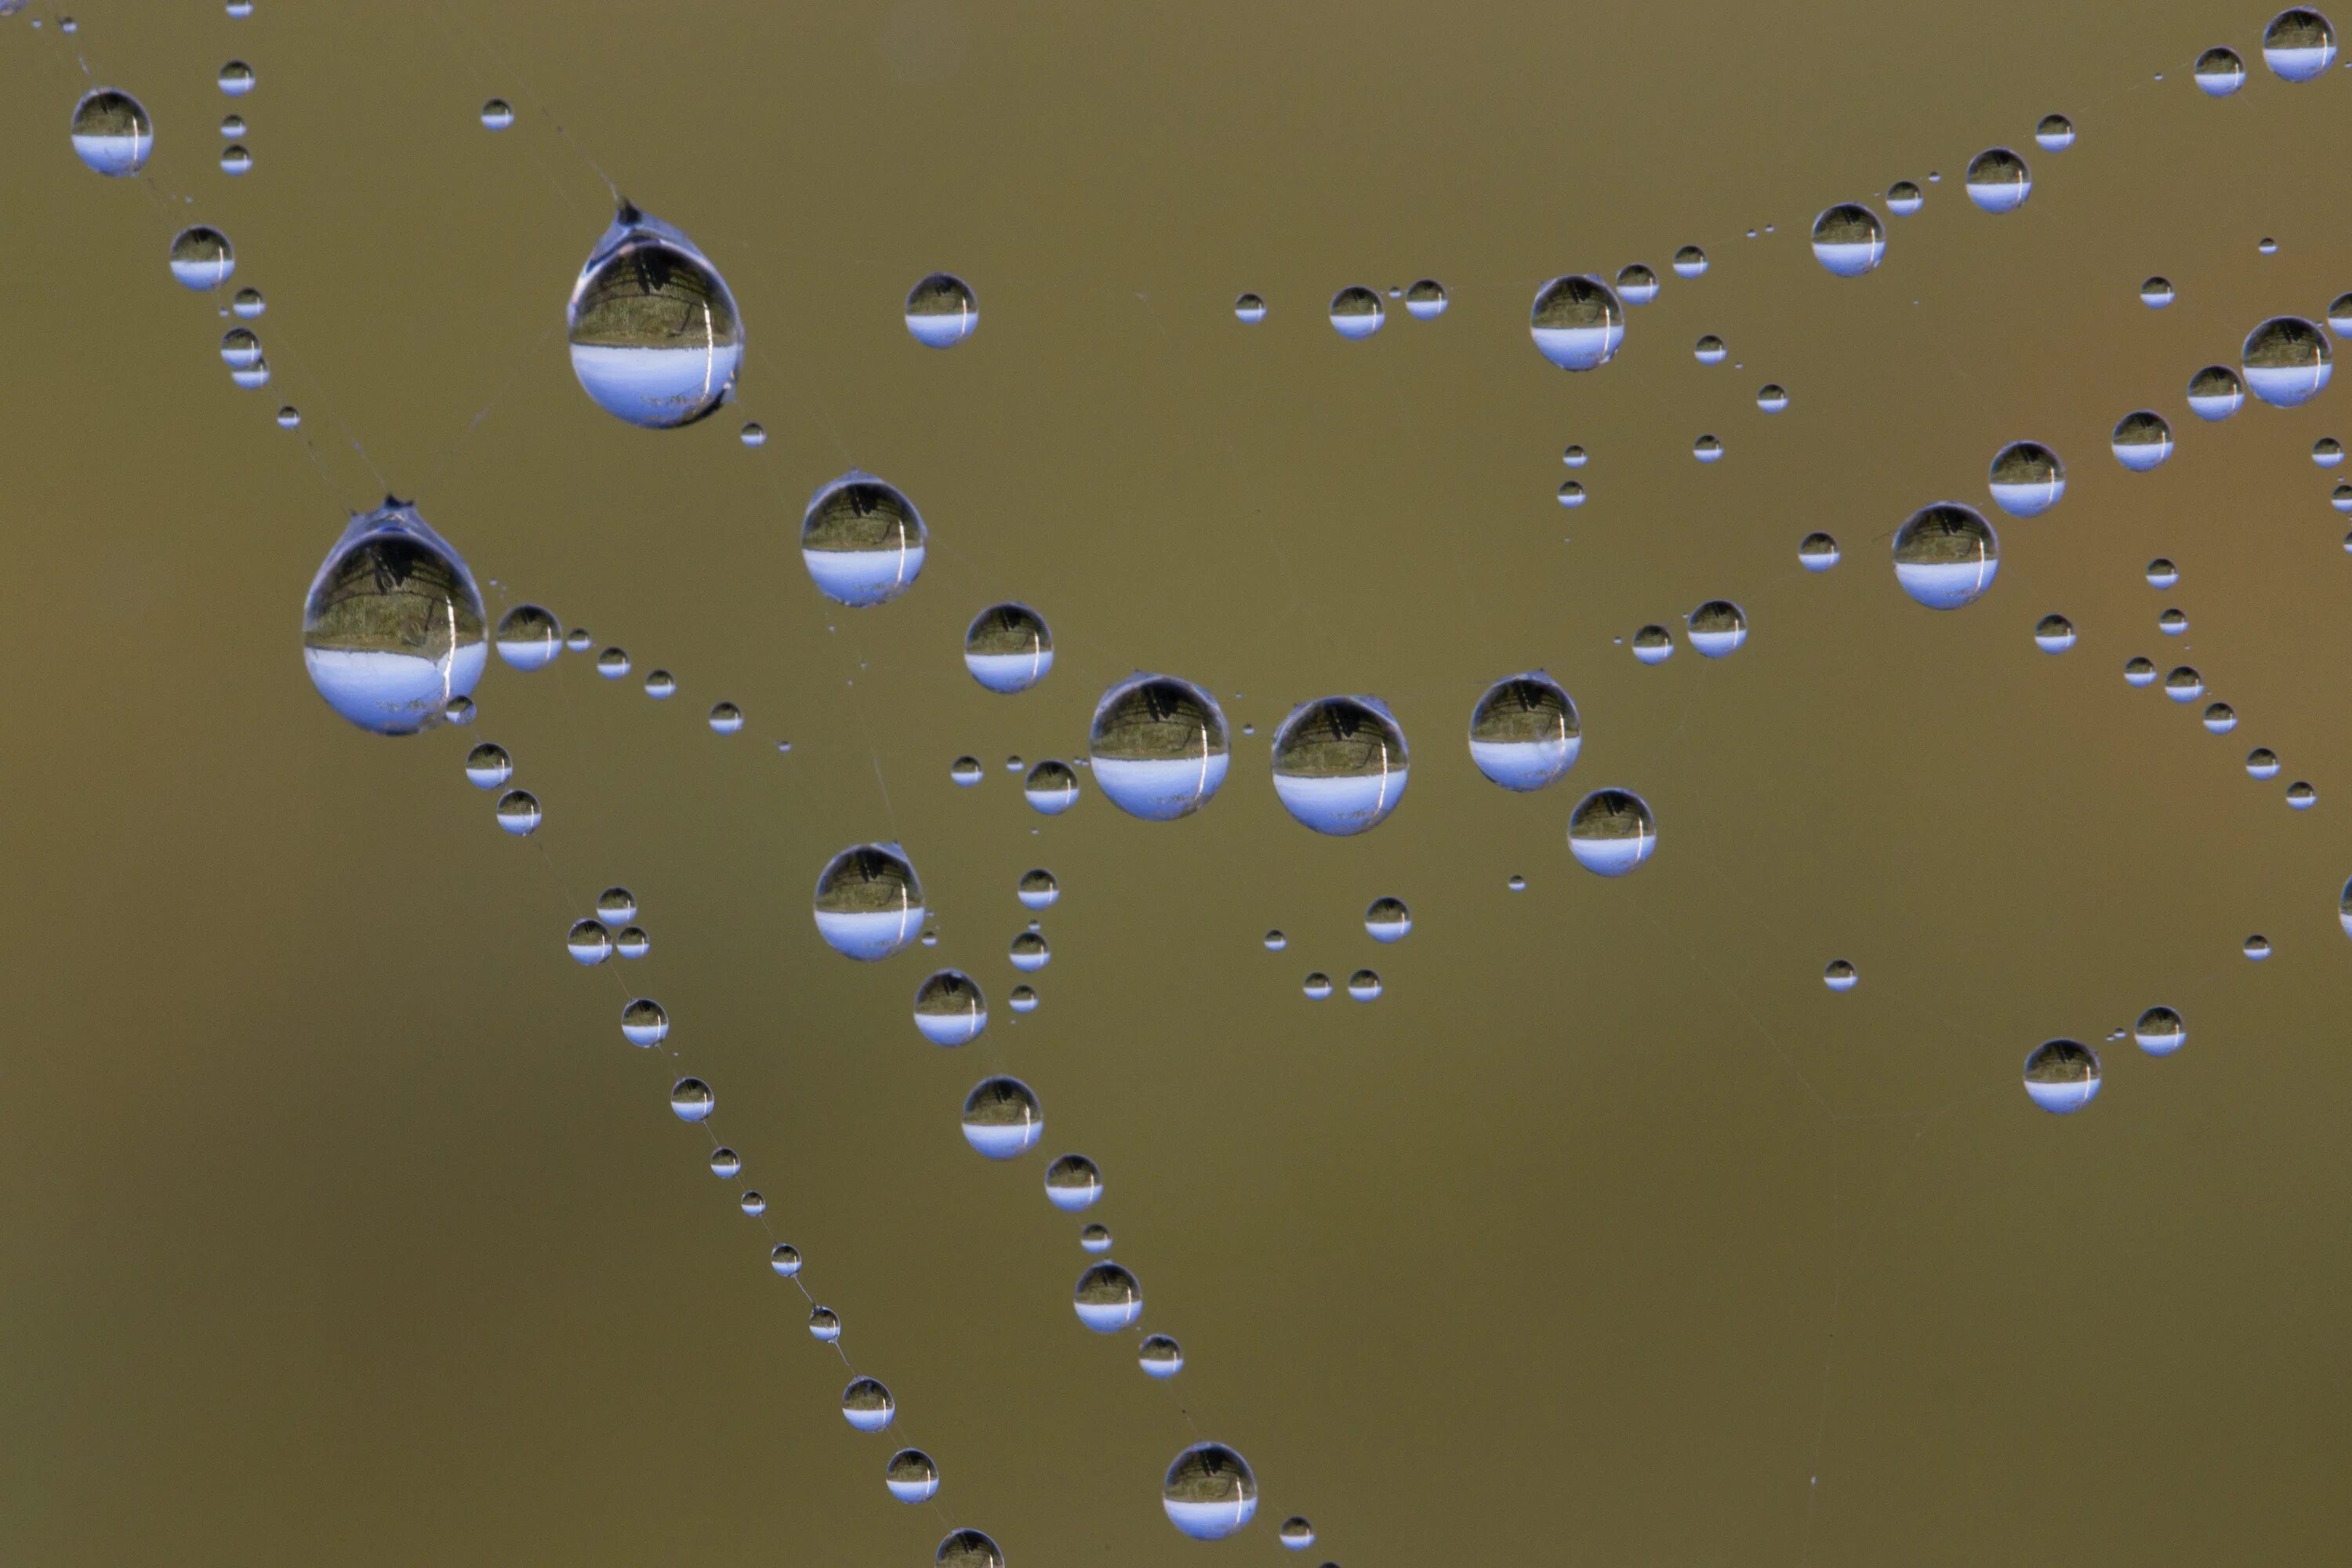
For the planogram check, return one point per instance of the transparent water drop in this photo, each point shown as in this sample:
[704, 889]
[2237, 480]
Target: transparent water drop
[1364, 986]
[1094, 1239]
[252, 377]
[2340, 498]
[1574, 457]
[1296, 1534]
[588, 942]
[1052, 788]
[392, 626]
[1840, 975]
[911, 1476]
[1317, 987]
[2160, 1032]
[2172, 623]
[645, 1023]
[1849, 240]
[866, 1405]
[111, 132]
[2262, 762]
[1209, 1492]
[752, 1204]
[1276, 941]
[1904, 198]
[498, 113]
[2027, 478]
[2215, 393]
[2298, 45]
[2062, 1076]
[2055, 133]
[2219, 72]
[661, 685]
[235, 159]
[2139, 671]
[1002, 1118]
[1636, 284]
[632, 943]
[617, 906]
[2156, 292]
[1008, 647]
[457, 711]
[824, 1324]
[949, 1009]
[577, 639]
[692, 1099]
[2142, 440]
[2162, 573]
[1340, 764]
[2288, 360]
[1163, 1357]
[232, 126]
[968, 1549]
[1387, 919]
[941, 310]
[1157, 747]
[519, 813]
[1771, 397]
[2184, 684]
[868, 902]
[2339, 315]
[1577, 323]
[2300, 796]
[1611, 831]
[1108, 1299]
[1707, 449]
[248, 305]
[1525, 733]
[613, 663]
[966, 772]
[1424, 300]
[1653, 644]
[1817, 553]
[1249, 309]
[1030, 953]
[1073, 1184]
[201, 257]
[1037, 889]
[239, 347]
[2266, 246]
[487, 766]
[2053, 634]
[1357, 312]
[2256, 947]
[1572, 494]
[655, 334]
[2220, 718]
[1709, 350]
[236, 79]
[1945, 555]
[1516, 884]
[862, 539]
[1998, 181]
[290, 417]
[726, 719]
[1690, 262]
[1716, 628]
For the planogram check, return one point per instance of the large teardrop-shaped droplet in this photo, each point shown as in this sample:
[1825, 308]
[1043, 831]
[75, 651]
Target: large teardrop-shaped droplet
[393, 627]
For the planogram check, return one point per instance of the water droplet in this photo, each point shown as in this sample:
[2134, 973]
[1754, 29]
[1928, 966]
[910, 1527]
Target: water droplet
[2160, 1032]
[862, 539]
[2262, 762]
[1425, 299]
[1716, 628]
[2055, 133]
[1611, 831]
[2184, 684]
[2301, 795]
[239, 347]
[1052, 788]
[1038, 889]
[1945, 555]
[1653, 644]
[2267, 245]
[2215, 393]
[2288, 360]
[1707, 449]
[692, 1099]
[1709, 350]
[752, 1204]
[1998, 181]
[1296, 1534]
[1276, 941]
[1340, 764]
[655, 337]
[633, 943]
[1030, 953]
[2162, 573]
[661, 685]
[235, 159]
[1577, 323]
[2298, 44]
[1002, 1118]
[529, 638]
[1387, 919]
[202, 258]
[1249, 309]
[726, 719]
[1108, 1299]
[391, 627]
[969, 1549]
[1209, 1492]
[1364, 986]
[1357, 312]
[869, 903]
[1840, 975]
[2257, 948]
[1771, 397]
[1817, 552]
[1157, 747]
[726, 1164]
[1525, 731]
[824, 1324]
[487, 766]
[497, 115]
[1163, 1357]
[617, 906]
[2139, 671]
[1317, 987]
[949, 1009]
[1516, 884]
[588, 942]
[1690, 262]
[518, 813]
[966, 772]
[866, 1405]
[111, 132]
[645, 1023]
[236, 79]
[1849, 240]
[1904, 198]
[2053, 634]
[941, 310]
[248, 305]
[1572, 494]
[1008, 647]
[290, 417]
[2219, 72]
[1636, 284]
[2062, 1076]
[613, 663]
[911, 1476]
[232, 126]
[1073, 1184]
[2172, 623]
[2027, 478]
[2156, 292]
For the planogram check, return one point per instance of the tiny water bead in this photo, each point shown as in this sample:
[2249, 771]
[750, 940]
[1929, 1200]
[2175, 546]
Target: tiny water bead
[1945, 555]
[2142, 440]
[1002, 1118]
[2219, 72]
[1108, 1299]
[1364, 986]
[2262, 762]
[252, 377]
[1636, 284]
[617, 906]
[941, 310]
[823, 1325]
[2266, 246]
[2172, 623]
[232, 126]
[2256, 947]
[1840, 975]
[1771, 397]
[248, 304]
[1653, 644]
[2162, 573]
[866, 1405]
[645, 1023]
[201, 257]
[1316, 987]
[1707, 449]
[290, 417]
[949, 1009]
[239, 347]
[2339, 315]
[1030, 953]
[577, 640]
[1998, 181]
[868, 902]
[236, 79]
[2160, 1032]
[911, 1476]
[2053, 634]
[661, 685]
[752, 1205]
[235, 159]
[2340, 498]
[2139, 671]
[1157, 747]
[613, 663]
[966, 772]
[1903, 197]
[1276, 941]
[1849, 240]
[1296, 1534]
[654, 335]
[1008, 647]
[1387, 919]
[497, 115]
[1073, 1184]
[2184, 684]
[968, 1549]
[2062, 1076]
[1611, 832]
[518, 813]
[111, 132]
[1525, 733]
[1340, 764]
[1209, 1492]
[2215, 393]
[692, 1099]
[1817, 553]
[1690, 262]
[392, 625]
[457, 711]
[1572, 494]
[1094, 1239]
[1710, 350]
[2288, 360]
[1037, 890]
[2156, 292]
[588, 942]
[1163, 1357]
[1052, 788]
[786, 1259]
[632, 943]
[2300, 796]
[2055, 133]
[2298, 45]
[726, 1164]
[1356, 311]
[2027, 478]
[1577, 323]
[862, 539]
[487, 766]
[1424, 300]
[1575, 456]
[1716, 628]
[726, 719]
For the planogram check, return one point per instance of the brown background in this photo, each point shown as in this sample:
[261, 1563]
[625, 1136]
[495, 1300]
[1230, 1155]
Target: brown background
[342, 1227]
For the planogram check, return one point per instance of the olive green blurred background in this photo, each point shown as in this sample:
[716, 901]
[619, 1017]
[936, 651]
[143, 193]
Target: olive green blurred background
[341, 1225]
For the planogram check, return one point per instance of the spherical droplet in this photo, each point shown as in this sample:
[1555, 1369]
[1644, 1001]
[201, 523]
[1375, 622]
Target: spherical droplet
[1710, 350]
[1945, 555]
[2139, 672]
[1653, 644]
[1052, 788]
[236, 79]
[1424, 300]
[1716, 628]
[786, 1259]
[1108, 1299]
[1364, 986]
[823, 1325]
[1636, 284]
[1357, 312]
[111, 132]
[2055, 133]
[969, 1549]
[2142, 440]
[752, 1205]
[862, 539]
[1073, 1184]
[2257, 948]
[235, 159]
[2027, 478]
[2062, 1076]
[911, 1476]
[1163, 1357]
[2162, 573]
[1998, 181]
[966, 772]
[518, 813]
[1317, 987]
[392, 628]
[2219, 72]
[488, 765]
[497, 115]
[2156, 292]
[1157, 747]
[726, 719]
[202, 258]
[2184, 684]
[1002, 1118]
[1296, 1534]
[1577, 323]
[2053, 634]
[692, 1099]
[2298, 45]
[1008, 647]
[1840, 975]
[2300, 796]
[2288, 360]
[1904, 198]
[1611, 831]
[1525, 733]
[1817, 552]
[1690, 262]
[588, 942]
[2172, 623]
[726, 1164]
[2160, 1032]
[1572, 494]
[655, 337]
[1771, 397]
[949, 1009]
[1340, 764]
[866, 1405]
[613, 663]
[2215, 393]
[1848, 239]
[1387, 919]
[1094, 1239]
[941, 310]
[661, 685]
[645, 1023]
[2262, 762]
[1209, 1492]
[1037, 889]
[632, 943]
[868, 902]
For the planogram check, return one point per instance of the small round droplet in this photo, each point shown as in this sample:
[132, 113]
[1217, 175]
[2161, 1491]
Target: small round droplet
[1710, 350]
[1424, 300]
[645, 1023]
[1073, 1183]
[1002, 1118]
[1094, 1239]
[632, 943]
[518, 813]
[1030, 953]
[488, 765]
[2053, 634]
[1163, 1357]
[1317, 987]
[1157, 747]
[497, 115]
[692, 1099]
[1024, 999]
[1717, 629]
[2298, 45]
[866, 1405]
[2139, 672]
[969, 1549]
[1249, 309]
[1577, 323]
[1387, 919]
[823, 1325]
[1357, 312]
[2055, 133]
[2256, 948]
[613, 663]
[1707, 449]
[236, 79]
[862, 539]
[2162, 573]
[1209, 1492]
[1611, 832]
[1364, 986]
[1052, 788]
[726, 719]
[290, 417]
[2156, 292]
[661, 685]
[2288, 360]
[2172, 623]
[1636, 284]
[1817, 552]
[2062, 1076]
[2300, 796]
[111, 132]
[966, 772]
[1108, 1299]
[1296, 1534]
[1572, 494]
[201, 257]
[911, 1476]
[1840, 975]
[726, 1164]
[617, 906]
[588, 942]
[1525, 733]
[868, 902]
[1945, 555]
[1904, 198]
[1037, 890]
[1771, 397]
[1653, 644]
[2027, 478]
[941, 310]
[786, 1259]
[1276, 941]
[2142, 440]
[1340, 764]
[1998, 181]
[2184, 684]
[949, 1009]
[1690, 262]
[235, 159]
[1849, 240]
[2160, 1032]
[2262, 762]
[752, 1205]
[2219, 72]
[2215, 393]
